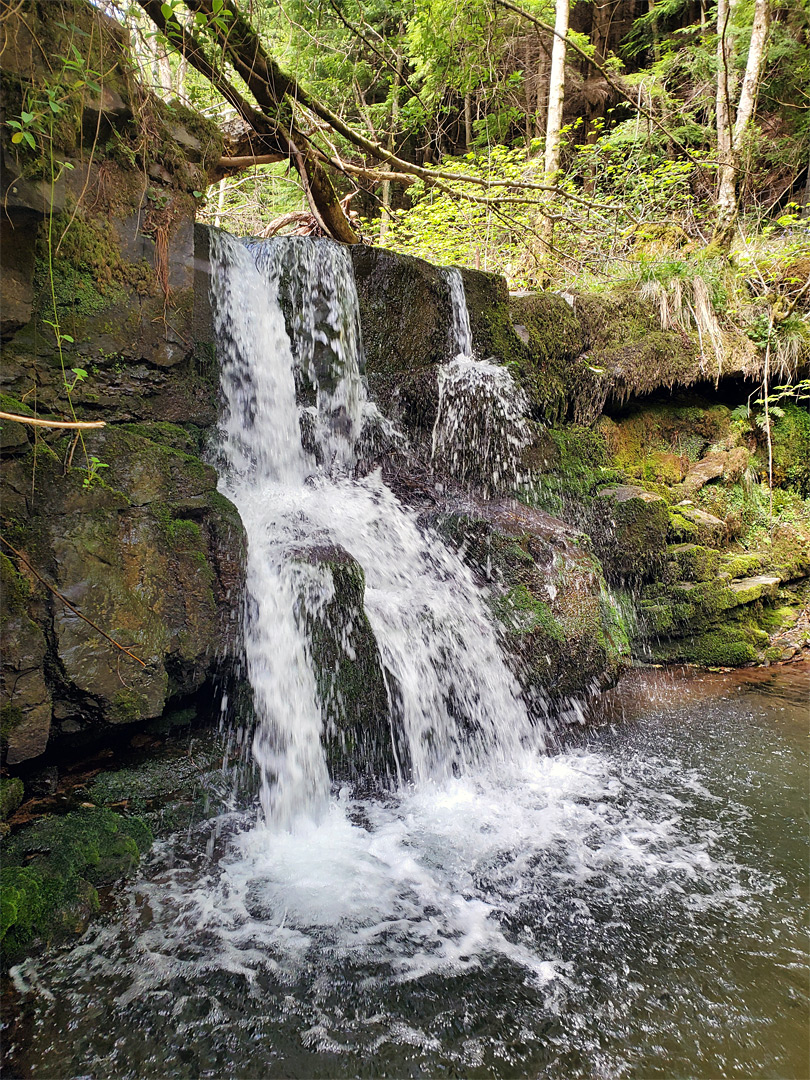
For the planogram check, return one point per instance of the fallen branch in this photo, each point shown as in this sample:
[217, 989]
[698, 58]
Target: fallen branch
[36, 422]
[68, 604]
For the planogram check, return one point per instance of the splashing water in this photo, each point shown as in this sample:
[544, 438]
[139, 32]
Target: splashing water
[449, 687]
[480, 429]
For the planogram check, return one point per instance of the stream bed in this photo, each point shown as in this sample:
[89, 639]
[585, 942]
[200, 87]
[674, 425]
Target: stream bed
[630, 904]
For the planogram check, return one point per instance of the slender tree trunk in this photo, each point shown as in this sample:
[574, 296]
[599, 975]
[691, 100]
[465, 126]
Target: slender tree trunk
[730, 139]
[541, 90]
[386, 185]
[468, 122]
[556, 94]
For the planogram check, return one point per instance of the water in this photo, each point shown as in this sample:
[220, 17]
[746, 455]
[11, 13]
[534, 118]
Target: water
[480, 429]
[450, 691]
[633, 906]
[460, 333]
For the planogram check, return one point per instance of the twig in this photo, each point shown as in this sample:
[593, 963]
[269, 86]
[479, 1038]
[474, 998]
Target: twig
[68, 604]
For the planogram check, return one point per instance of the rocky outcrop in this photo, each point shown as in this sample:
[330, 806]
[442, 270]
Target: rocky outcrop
[563, 631]
[120, 526]
[361, 735]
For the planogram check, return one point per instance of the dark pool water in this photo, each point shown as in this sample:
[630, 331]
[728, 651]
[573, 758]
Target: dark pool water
[631, 905]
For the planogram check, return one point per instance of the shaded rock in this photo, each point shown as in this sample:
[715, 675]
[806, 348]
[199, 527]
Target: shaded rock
[51, 871]
[564, 633]
[153, 555]
[360, 732]
[708, 468]
[708, 529]
[629, 530]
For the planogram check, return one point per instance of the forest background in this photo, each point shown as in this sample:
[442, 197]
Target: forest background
[658, 145]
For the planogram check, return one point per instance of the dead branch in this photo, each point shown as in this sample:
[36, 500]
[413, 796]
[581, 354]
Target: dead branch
[34, 421]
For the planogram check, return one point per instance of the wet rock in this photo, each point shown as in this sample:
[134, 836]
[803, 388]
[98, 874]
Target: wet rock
[153, 555]
[52, 869]
[564, 633]
[629, 529]
[360, 731]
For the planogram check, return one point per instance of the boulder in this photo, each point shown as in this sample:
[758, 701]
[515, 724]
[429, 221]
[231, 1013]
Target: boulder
[360, 733]
[629, 529]
[151, 554]
[564, 633]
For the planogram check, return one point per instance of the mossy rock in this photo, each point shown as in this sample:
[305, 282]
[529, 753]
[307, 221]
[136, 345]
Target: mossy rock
[624, 339]
[11, 795]
[629, 528]
[693, 562]
[563, 633]
[51, 871]
[361, 735]
[791, 449]
[153, 555]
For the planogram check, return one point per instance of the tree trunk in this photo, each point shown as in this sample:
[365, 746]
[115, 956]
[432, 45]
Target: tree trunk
[273, 91]
[730, 139]
[468, 122]
[386, 186]
[556, 93]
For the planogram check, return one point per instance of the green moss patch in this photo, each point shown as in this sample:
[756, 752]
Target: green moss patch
[51, 871]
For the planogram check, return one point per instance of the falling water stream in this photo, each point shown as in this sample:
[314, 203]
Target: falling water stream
[628, 905]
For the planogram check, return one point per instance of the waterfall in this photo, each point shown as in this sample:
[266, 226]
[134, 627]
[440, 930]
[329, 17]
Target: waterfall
[480, 429]
[461, 343]
[449, 689]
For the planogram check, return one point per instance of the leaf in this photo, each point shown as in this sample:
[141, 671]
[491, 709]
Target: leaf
[29, 138]
[80, 373]
[216, 6]
[167, 11]
[26, 117]
[66, 337]
[17, 137]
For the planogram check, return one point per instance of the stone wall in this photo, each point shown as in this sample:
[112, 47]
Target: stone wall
[99, 322]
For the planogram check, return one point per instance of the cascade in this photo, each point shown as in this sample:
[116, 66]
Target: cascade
[480, 429]
[449, 688]
[461, 343]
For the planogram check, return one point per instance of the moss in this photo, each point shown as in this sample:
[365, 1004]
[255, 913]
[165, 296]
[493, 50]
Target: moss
[14, 589]
[743, 564]
[11, 795]
[14, 405]
[680, 530]
[171, 435]
[522, 613]
[11, 716]
[625, 339]
[629, 530]
[127, 706]
[716, 649]
[695, 563]
[791, 449]
[52, 868]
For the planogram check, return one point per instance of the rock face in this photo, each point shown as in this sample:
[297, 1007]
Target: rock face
[102, 322]
[360, 733]
[562, 630]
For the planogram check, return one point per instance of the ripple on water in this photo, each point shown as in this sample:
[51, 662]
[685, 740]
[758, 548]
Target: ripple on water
[630, 907]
